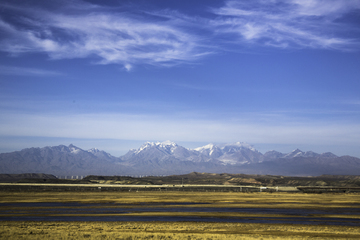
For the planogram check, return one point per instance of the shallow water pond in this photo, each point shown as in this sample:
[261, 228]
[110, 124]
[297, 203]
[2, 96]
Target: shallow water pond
[55, 211]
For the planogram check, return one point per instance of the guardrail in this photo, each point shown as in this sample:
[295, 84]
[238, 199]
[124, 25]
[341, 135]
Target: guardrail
[120, 187]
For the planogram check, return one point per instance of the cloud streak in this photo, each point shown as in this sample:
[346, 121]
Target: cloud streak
[113, 38]
[21, 71]
[287, 24]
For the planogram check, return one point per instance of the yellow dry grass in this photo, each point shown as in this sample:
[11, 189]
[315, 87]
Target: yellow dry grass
[179, 196]
[273, 200]
[181, 230]
[170, 230]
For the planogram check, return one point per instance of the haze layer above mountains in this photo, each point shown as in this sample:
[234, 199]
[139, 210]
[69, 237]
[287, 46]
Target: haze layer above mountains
[168, 158]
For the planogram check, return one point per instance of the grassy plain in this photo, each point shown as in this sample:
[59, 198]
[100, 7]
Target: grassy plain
[182, 230]
[170, 230]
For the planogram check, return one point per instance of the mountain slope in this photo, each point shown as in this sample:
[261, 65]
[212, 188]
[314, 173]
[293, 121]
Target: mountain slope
[58, 160]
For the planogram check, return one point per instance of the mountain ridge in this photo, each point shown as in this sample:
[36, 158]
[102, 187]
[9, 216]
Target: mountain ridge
[167, 158]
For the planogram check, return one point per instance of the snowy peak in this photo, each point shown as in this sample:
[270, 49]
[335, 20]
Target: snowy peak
[93, 150]
[143, 147]
[208, 150]
[166, 146]
[167, 143]
[296, 153]
[310, 154]
[239, 145]
[101, 154]
[159, 153]
[98, 152]
[228, 146]
[206, 147]
[73, 149]
[231, 153]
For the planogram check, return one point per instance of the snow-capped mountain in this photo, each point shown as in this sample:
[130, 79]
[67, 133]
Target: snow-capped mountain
[225, 154]
[233, 153]
[299, 153]
[296, 153]
[167, 158]
[73, 149]
[167, 146]
[159, 152]
[210, 150]
[240, 153]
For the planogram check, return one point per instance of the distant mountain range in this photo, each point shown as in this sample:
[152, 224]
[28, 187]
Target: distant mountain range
[168, 158]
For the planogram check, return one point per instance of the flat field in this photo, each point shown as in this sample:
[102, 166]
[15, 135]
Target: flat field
[240, 215]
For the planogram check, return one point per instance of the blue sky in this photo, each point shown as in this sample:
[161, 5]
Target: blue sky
[277, 74]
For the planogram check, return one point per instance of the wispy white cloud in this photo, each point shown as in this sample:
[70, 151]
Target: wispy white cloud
[77, 29]
[328, 8]
[290, 23]
[21, 71]
[112, 37]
